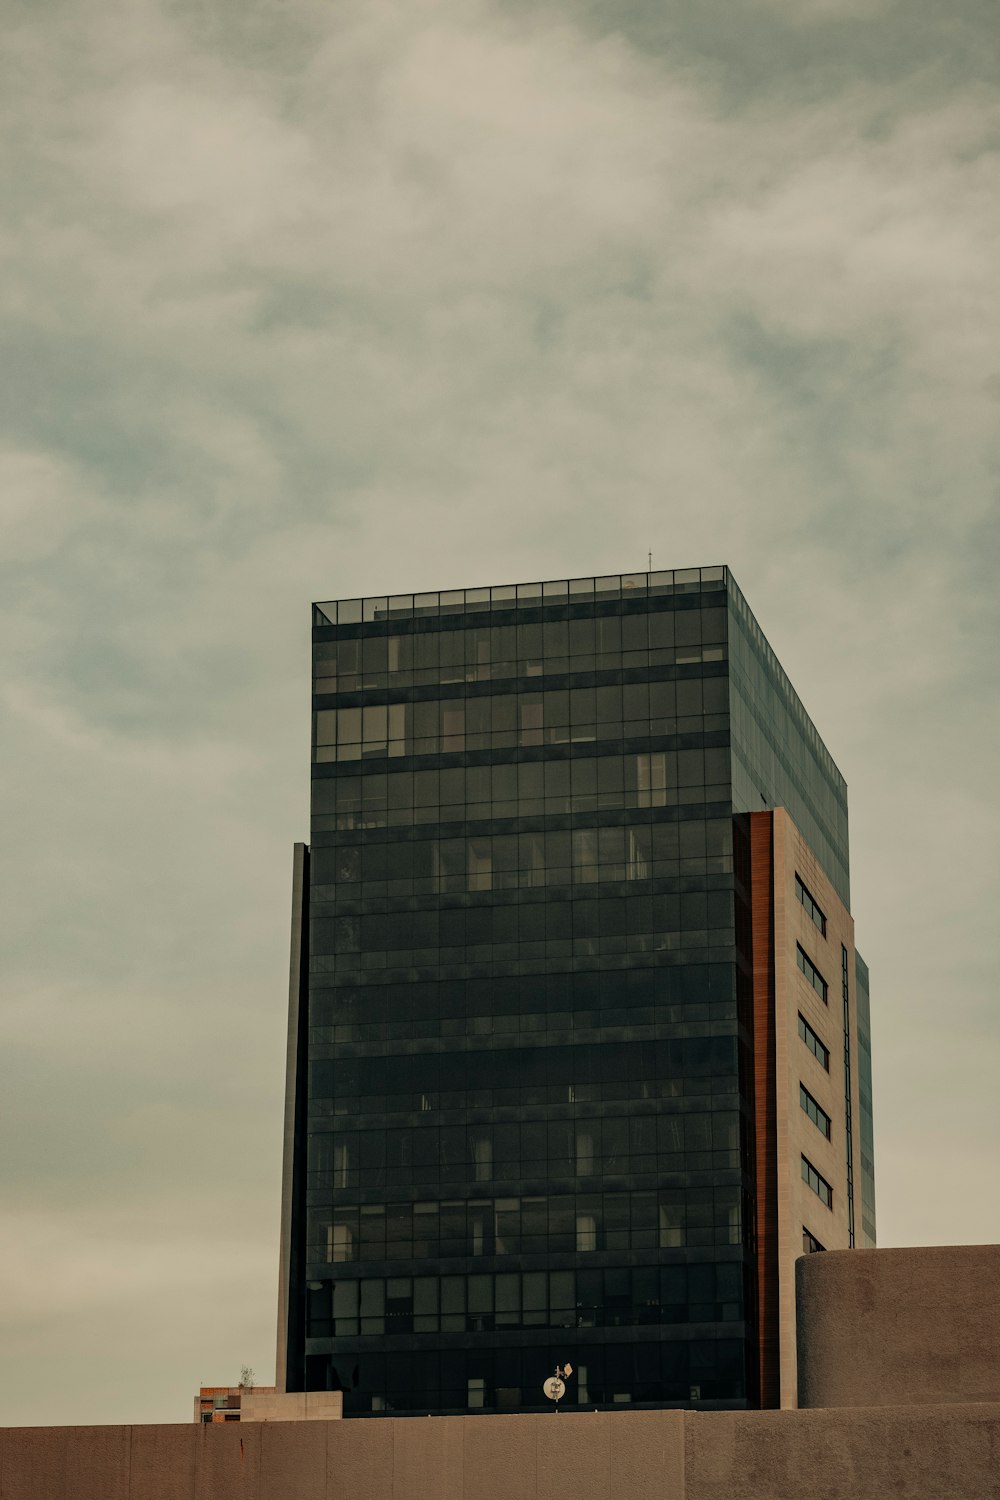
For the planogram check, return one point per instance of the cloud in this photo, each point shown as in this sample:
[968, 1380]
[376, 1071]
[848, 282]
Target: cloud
[304, 302]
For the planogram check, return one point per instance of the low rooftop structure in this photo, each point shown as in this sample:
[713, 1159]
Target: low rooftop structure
[899, 1327]
[263, 1403]
[899, 1395]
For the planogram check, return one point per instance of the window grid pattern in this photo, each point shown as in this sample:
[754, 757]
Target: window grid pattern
[426, 1154]
[606, 1297]
[421, 865]
[523, 1038]
[670, 1219]
[779, 759]
[577, 716]
[519, 789]
[646, 648]
[521, 929]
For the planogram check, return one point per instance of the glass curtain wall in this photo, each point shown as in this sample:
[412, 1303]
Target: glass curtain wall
[524, 1104]
[779, 759]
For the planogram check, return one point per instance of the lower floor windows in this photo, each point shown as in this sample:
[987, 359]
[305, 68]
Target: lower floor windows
[606, 1297]
[819, 1184]
[810, 1244]
[494, 1377]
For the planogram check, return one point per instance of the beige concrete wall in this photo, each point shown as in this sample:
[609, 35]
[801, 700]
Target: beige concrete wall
[880, 1327]
[908, 1453]
[918, 1453]
[798, 1205]
[292, 1406]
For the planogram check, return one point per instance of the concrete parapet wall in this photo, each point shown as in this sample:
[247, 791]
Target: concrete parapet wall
[887, 1327]
[912, 1453]
[908, 1453]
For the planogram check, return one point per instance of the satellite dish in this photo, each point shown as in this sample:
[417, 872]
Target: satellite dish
[555, 1386]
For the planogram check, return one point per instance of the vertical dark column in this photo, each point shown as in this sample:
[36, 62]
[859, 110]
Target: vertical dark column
[866, 1123]
[848, 1105]
[765, 1107]
[290, 1364]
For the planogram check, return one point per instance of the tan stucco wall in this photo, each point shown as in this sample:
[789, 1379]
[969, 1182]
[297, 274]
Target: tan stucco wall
[292, 1406]
[907, 1453]
[911, 1453]
[798, 1205]
[878, 1327]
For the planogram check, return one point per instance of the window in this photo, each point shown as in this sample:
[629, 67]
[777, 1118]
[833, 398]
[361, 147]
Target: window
[811, 972]
[480, 864]
[816, 1113]
[819, 1185]
[341, 1165]
[586, 1232]
[812, 1041]
[809, 902]
[672, 1225]
[810, 1244]
[340, 1244]
[482, 1157]
[651, 778]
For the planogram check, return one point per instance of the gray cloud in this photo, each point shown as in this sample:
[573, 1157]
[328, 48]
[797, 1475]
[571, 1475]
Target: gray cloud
[301, 302]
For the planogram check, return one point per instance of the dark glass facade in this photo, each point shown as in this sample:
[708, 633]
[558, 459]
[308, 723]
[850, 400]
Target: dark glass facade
[778, 758]
[524, 1137]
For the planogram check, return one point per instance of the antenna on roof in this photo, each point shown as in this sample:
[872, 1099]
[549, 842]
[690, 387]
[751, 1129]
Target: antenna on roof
[650, 557]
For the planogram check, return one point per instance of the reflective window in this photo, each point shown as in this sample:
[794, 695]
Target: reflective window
[815, 1111]
[811, 972]
[819, 1184]
[818, 1049]
[809, 903]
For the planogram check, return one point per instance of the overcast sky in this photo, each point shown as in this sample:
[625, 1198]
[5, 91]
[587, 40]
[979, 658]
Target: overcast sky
[302, 299]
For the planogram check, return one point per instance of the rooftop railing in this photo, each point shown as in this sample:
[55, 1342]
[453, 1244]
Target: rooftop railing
[519, 596]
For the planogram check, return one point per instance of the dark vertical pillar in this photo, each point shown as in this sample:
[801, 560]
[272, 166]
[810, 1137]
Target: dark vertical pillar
[765, 1106]
[290, 1365]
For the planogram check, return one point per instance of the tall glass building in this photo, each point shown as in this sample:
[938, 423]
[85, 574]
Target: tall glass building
[570, 942]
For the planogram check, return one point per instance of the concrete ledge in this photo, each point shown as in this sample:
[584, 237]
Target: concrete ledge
[917, 1453]
[895, 1327]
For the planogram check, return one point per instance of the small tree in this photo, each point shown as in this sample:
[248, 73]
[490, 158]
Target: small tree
[247, 1377]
